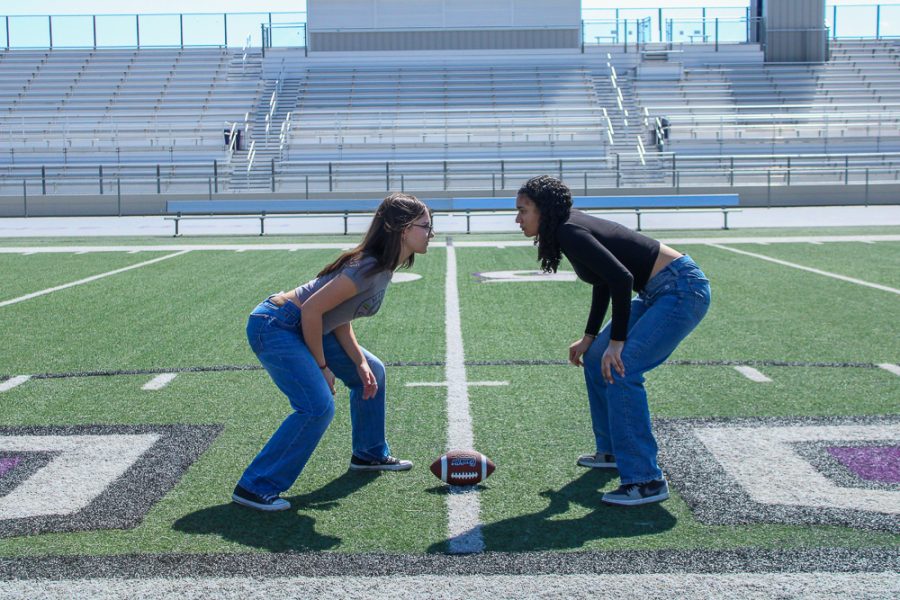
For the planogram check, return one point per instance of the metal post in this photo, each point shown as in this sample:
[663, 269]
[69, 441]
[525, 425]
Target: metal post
[626, 36]
[101, 180]
[225, 19]
[789, 171]
[307, 186]
[158, 186]
[273, 174]
[867, 186]
[387, 176]
[402, 184]
[674, 171]
[502, 174]
[703, 20]
[877, 21]
[585, 183]
[7, 32]
[262, 38]
[560, 170]
[769, 187]
[725, 215]
[119, 195]
[262, 223]
[209, 188]
[445, 175]
[181, 29]
[468, 228]
[25, 196]
[346, 217]
[834, 22]
[137, 29]
[659, 23]
[732, 171]
[94, 18]
[330, 181]
[216, 175]
[637, 212]
[846, 170]
[50, 29]
[717, 33]
[618, 172]
[43, 180]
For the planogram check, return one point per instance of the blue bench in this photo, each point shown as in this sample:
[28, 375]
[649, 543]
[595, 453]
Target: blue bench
[180, 210]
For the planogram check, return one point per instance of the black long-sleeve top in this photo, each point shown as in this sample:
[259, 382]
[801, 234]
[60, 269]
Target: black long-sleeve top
[613, 259]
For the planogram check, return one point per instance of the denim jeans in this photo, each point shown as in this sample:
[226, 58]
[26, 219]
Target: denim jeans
[275, 336]
[671, 305]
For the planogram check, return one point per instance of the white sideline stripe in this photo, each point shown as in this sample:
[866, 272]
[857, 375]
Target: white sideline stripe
[705, 586]
[14, 382]
[810, 269]
[891, 368]
[159, 382]
[752, 374]
[90, 279]
[439, 244]
[463, 505]
[444, 383]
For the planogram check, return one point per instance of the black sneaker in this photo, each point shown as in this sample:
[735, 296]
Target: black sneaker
[245, 497]
[388, 463]
[598, 460]
[632, 494]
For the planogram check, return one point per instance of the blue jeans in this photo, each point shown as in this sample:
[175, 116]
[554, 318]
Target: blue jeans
[275, 336]
[673, 302]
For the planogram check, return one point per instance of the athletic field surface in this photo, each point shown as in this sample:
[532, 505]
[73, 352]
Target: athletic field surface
[130, 403]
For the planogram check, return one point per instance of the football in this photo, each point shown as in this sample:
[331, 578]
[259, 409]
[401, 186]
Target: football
[462, 467]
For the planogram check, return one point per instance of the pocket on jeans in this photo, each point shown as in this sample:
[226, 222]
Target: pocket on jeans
[255, 327]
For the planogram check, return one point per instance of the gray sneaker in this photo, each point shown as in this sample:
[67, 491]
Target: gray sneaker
[632, 494]
[272, 503]
[598, 460]
[388, 463]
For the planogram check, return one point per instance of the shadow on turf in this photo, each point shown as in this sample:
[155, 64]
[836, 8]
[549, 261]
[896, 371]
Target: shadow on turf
[550, 530]
[286, 531]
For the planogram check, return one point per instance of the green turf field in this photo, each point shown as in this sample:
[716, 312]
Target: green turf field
[90, 348]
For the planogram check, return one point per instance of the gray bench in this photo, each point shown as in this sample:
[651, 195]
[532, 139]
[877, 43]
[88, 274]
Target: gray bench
[180, 210]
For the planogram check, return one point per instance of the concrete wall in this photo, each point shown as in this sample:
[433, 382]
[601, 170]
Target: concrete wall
[795, 30]
[394, 25]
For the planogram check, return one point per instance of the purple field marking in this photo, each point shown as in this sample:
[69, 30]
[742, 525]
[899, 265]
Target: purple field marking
[8, 464]
[871, 463]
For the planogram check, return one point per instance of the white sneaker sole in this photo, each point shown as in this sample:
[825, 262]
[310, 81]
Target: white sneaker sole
[399, 467]
[282, 505]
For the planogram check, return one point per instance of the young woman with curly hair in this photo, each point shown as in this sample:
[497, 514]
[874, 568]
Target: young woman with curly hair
[673, 297]
[304, 340]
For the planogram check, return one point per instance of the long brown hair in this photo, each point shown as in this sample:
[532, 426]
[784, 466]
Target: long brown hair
[383, 239]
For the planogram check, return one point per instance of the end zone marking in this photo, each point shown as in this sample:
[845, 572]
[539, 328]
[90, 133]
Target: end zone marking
[810, 269]
[752, 374]
[14, 382]
[159, 382]
[463, 505]
[890, 368]
[90, 279]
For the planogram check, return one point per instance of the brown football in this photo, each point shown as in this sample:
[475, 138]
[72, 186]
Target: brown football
[462, 467]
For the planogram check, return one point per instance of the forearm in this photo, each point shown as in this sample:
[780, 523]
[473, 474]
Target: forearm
[311, 325]
[347, 339]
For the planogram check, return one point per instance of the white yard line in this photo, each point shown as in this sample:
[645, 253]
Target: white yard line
[752, 374]
[463, 505]
[89, 279]
[439, 244]
[444, 383]
[810, 269]
[14, 382]
[159, 382]
[890, 368]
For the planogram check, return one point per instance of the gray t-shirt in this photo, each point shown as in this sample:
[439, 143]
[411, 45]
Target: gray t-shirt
[370, 287]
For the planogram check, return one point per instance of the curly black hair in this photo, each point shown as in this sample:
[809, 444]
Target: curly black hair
[554, 201]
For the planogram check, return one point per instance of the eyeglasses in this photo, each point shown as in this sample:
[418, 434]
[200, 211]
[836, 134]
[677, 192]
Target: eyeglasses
[429, 227]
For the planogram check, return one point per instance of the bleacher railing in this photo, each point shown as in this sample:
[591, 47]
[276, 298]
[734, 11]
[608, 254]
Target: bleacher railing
[499, 176]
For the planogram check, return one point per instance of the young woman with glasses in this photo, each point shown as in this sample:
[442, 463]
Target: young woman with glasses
[304, 339]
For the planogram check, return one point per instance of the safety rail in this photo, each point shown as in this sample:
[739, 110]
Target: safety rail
[306, 179]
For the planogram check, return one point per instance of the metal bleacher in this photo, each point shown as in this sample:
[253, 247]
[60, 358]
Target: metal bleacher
[126, 110]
